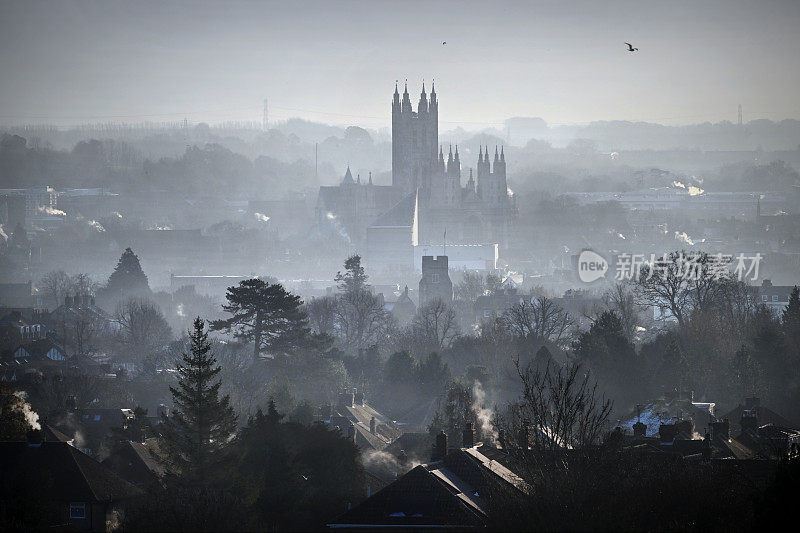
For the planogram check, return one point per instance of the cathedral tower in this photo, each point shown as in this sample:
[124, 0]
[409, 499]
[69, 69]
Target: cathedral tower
[415, 136]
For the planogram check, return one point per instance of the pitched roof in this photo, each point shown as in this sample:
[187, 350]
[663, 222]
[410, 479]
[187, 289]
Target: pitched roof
[402, 214]
[420, 499]
[38, 349]
[135, 462]
[75, 475]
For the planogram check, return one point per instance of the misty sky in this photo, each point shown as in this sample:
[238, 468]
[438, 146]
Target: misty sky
[79, 61]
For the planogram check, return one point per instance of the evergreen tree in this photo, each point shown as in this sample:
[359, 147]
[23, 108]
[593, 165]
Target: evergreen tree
[128, 277]
[354, 279]
[196, 434]
[791, 321]
[267, 315]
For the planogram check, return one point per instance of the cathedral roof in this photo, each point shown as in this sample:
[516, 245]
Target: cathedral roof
[402, 214]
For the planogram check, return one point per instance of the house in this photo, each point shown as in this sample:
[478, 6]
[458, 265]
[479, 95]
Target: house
[42, 355]
[458, 489]
[16, 328]
[371, 430]
[403, 309]
[136, 462]
[775, 297]
[97, 424]
[74, 490]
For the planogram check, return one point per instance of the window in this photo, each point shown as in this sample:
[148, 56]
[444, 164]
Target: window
[774, 297]
[77, 510]
[763, 297]
[434, 278]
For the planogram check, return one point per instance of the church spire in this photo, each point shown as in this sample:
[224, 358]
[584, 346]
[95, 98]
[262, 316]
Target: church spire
[422, 107]
[502, 155]
[370, 178]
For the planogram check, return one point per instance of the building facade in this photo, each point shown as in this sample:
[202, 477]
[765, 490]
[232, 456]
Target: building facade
[480, 211]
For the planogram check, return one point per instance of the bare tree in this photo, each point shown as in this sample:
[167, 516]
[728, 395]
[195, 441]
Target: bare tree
[560, 409]
[620, 299]
[322, 314]
[55, 285]
[681, 283]
[435, 325]
[144, 331]
[540, 318]
[361, 319]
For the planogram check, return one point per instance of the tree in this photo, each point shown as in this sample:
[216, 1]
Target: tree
[607, 351]
[353, 279]
[400, 368]
[128, 277]
[295, 476]
[620, 299]
[682, 283]
[202, 423]
[361, 318]
[456, 412]
[433, 373]
[266, 315]
[745, 373]
[540, 319]
[471, 287]
[144, 330]
[322, 314]
[434, 326]
[56, 284]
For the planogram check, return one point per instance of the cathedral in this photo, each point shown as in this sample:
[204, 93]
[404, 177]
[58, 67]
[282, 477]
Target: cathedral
[426, 202]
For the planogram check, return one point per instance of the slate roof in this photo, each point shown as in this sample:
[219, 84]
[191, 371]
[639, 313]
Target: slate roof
[75, 475]
[421, 499]
[453, 493]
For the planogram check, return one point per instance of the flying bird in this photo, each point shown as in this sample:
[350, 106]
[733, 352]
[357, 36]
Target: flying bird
[631, 48]
[444, 43]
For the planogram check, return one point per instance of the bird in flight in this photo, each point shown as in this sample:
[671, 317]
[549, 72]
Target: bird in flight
[444, 43]
[631, 48]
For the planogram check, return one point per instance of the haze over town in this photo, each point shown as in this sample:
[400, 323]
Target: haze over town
[314, 265]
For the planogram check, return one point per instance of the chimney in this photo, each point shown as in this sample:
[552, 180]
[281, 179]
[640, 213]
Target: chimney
[346, 399]
[440, 448]
[749, 420]
[372, 424]
[402, 458]
[721, 430]
[640, 429]
[667, 432]
[34, 437]
[71, 403]
[685, 426]
[468, 436]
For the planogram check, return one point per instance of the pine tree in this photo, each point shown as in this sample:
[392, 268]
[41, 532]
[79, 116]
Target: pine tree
[267, 315]
[128, 278]
[196, 434]
[354, 279]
